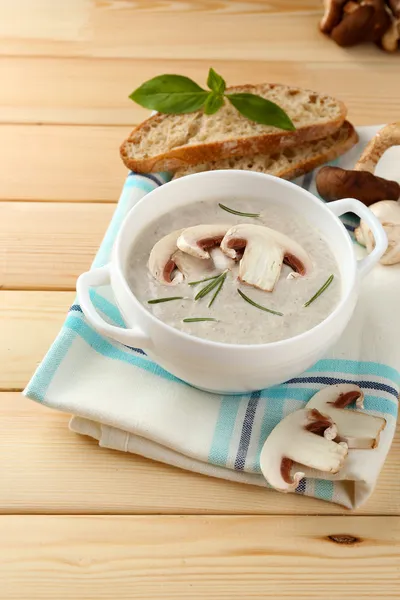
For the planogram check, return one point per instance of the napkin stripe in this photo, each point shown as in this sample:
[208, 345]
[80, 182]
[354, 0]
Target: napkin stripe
[371, 385]
[150, 176]
[247, 427]
[223, 431]
[355, 366]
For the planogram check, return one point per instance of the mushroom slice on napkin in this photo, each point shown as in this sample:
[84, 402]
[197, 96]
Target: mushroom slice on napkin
[304, 437]
[357, 429]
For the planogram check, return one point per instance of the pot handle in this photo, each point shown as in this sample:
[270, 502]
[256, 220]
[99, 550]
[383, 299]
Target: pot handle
[94, 278]
[340, 207]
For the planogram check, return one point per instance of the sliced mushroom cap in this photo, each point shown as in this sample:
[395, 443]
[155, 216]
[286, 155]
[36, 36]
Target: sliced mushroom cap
[388, 212]
[265, 252]
[357, 429]
[161, 264]
[220, 260]
[191, 267]
[304, 437]
[199, 239]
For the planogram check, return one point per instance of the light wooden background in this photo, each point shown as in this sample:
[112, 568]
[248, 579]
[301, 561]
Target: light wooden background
[78, 522]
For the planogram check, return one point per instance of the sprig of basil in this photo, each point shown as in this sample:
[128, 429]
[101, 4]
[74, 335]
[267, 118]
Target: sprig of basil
[213, 103]
[171, 94]
[260, 110]
[176, 94]
[215, 82]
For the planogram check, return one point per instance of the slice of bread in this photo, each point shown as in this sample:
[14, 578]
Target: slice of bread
[168, 142]
[290, 162]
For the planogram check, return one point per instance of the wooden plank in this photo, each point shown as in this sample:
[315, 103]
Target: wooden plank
[215, 30]
[69, 473]
[199, 557]
[61, 163]
[38, 90]
[47, 245]
[29, 322]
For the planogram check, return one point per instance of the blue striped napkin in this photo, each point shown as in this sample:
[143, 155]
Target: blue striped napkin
[125, 401]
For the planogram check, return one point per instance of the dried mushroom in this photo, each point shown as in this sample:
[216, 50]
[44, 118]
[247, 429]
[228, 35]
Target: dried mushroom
[361, 183]
[357, 21]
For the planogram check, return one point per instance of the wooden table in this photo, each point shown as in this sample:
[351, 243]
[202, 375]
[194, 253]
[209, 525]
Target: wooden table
[78, 522]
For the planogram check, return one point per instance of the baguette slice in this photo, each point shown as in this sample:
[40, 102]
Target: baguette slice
[168, 142]
[290, 162]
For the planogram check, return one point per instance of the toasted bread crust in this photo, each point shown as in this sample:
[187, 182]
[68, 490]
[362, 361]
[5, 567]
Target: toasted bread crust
[191, 154]
[347, 138]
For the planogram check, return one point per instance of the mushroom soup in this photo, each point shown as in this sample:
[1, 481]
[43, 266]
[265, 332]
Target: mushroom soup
[261, 278]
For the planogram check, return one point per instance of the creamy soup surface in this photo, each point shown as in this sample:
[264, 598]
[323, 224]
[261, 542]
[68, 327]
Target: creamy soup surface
[238, 322]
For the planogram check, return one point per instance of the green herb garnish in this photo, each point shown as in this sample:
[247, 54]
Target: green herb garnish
[202, 280]
[250, 301]
[221, 283]
[320, 291]
[158, 300]
[209, 287]
[176, 94]
[237, 212]
[197, 319]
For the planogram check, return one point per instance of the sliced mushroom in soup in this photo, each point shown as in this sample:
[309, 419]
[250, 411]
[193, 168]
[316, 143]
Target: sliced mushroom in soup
[278, 261]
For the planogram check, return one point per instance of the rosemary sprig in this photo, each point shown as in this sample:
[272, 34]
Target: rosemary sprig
[217, 291]
[209, 287]
[158, 300]
[196, 319]
[237, 212]
[202, 280]
[320, 291]
[250, 301]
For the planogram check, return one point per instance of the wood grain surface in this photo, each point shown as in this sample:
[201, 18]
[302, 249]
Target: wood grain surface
[59, 482]
[77, 521]
[199, 557]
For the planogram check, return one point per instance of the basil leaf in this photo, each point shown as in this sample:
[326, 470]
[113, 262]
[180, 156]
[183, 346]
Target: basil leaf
[260, 110]
[171, 94]
[215, 82]
[213, 103]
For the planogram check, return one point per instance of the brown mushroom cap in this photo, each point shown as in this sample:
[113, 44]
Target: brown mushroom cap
[332, 16]
[355, 26]
[334, 183]
[394, 5]
[364, 22]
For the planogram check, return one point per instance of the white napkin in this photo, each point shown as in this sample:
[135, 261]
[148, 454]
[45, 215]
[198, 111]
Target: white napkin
[128, 403]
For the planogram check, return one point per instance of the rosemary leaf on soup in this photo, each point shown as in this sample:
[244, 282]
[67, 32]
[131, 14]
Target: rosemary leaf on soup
[208, 288]
[197, 319]
[320, 291]
[202, 280]
[158, 300]
[237, 212]
[217, 290]
[250, 301]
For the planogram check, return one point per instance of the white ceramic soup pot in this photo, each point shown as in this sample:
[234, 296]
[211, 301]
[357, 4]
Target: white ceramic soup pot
[221, 367]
